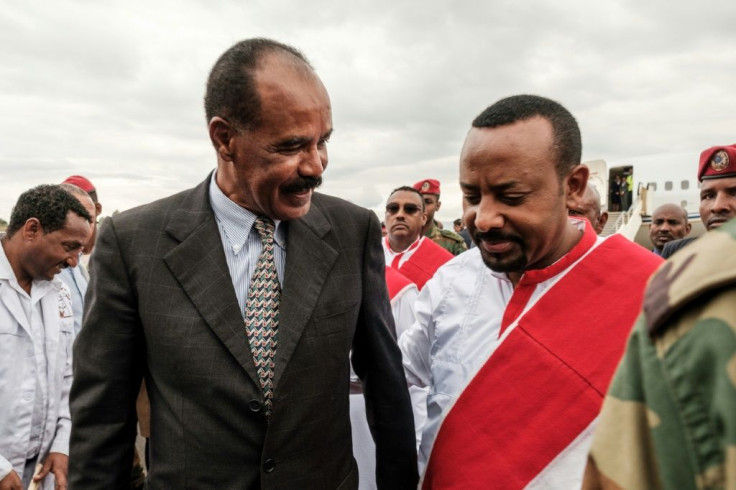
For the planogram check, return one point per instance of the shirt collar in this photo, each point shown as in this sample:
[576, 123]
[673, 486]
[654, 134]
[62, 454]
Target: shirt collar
[411, 247]
[535, 276]
[38, 286]
[236, 220]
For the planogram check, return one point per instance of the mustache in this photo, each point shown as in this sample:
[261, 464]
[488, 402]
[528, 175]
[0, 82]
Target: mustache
[302, 184]
[495, 236]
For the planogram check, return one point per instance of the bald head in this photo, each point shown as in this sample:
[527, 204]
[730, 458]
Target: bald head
[669, 222]
[590, 207]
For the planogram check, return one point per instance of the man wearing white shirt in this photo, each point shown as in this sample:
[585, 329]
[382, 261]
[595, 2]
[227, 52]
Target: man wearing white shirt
[404, 247]
[76, 278]
[517, 339]
[47, 230]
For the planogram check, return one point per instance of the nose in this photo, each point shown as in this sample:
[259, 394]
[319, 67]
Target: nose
[721, 203]
[72, 259]
[488, 215]
[314, 162]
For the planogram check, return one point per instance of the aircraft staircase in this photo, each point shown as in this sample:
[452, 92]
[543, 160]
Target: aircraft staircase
[626, 223]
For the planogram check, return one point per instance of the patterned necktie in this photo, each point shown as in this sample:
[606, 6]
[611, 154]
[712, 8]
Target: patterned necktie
[262, 310]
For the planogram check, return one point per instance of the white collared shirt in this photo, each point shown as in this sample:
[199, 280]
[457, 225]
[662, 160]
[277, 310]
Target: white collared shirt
[389, 254]
[38, 390]
[242, 243]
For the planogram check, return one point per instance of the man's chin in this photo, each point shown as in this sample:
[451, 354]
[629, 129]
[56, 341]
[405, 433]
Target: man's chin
[717, 223]
[502, 264]
[293, 207]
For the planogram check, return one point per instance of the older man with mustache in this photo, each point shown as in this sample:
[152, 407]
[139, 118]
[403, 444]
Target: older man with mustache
[240, 301]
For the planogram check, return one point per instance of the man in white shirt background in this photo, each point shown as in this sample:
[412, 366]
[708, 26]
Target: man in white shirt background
[405, 248]
[77, 277]
[48, 229]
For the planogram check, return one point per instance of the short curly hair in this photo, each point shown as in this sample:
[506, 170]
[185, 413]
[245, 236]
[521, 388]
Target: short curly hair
[567, 141]
[50, 204]
[231, 91]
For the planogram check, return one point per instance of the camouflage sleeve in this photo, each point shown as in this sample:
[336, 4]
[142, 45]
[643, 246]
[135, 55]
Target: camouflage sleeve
[669, 419]
[458, 248]
[452, 242]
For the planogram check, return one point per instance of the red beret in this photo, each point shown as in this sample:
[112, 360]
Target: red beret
[80, 182]
[428, 186]
[717, 162]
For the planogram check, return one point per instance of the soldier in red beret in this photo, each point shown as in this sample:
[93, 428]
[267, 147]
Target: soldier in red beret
[717, 174]
[449, 240]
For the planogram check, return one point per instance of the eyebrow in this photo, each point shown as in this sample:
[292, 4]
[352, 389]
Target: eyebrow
[291, 141]
[498, 187]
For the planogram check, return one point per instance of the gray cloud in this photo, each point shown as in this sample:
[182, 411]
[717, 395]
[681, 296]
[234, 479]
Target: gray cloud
[113, 90]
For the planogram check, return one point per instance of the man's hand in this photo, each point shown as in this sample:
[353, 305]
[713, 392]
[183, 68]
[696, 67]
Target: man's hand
[11, 482]
[58, 464]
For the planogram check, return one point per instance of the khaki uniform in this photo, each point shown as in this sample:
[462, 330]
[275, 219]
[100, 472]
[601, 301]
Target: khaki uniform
[449, 240]
[669, 419]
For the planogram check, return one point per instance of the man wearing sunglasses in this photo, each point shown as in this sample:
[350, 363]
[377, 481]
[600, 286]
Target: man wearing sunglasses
[404, 247]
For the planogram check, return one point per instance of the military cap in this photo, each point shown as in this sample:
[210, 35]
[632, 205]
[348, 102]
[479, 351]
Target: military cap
[80, 182]
[717, 162]
[428, 186]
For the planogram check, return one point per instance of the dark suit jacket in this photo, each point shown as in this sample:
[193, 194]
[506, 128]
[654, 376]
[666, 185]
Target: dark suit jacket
[161, 304]
[675, 245]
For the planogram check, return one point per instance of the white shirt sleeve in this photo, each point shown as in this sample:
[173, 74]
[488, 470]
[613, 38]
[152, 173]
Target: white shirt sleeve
[402, 308]
[416, 342]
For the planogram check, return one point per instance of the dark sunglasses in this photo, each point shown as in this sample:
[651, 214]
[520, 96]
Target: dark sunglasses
[409, 209]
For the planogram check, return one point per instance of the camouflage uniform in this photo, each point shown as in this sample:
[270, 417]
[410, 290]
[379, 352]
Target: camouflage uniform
[449, 240]
[669, 419]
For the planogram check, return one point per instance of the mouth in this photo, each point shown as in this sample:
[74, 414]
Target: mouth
[716, 222]
[496, 247]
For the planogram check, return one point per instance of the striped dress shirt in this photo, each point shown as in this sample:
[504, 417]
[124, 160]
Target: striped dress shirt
[241, 241]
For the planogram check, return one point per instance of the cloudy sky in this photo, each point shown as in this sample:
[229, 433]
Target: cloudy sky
[113, 89]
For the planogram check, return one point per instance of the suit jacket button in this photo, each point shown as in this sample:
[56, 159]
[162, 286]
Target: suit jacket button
[255, 406]
[269, 465]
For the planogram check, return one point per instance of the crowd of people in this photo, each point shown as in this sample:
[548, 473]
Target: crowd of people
[259, 334]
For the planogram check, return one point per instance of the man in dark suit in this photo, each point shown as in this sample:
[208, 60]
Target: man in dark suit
[172, 294]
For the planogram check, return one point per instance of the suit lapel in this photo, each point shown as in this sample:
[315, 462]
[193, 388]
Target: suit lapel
[199, 265]
[309, 260]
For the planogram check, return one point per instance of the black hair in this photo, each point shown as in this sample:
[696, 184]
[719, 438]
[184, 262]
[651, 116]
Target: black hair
[409, 189]
[231, 91]
[50, 204]
[567, 141]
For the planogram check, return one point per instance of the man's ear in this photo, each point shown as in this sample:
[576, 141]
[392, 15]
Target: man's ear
[438, 204]
[687, 228]
[603, 219]
[98, 209]
[32, 228]
[221, 135]
[575, 184]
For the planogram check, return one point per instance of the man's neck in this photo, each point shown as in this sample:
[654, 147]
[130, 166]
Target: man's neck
[398, 246]
[572, 236]
[428, 226]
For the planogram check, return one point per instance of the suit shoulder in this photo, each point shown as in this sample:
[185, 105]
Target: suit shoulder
[336, 208]
[326, 202]
[156, 213]
[675, 245]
